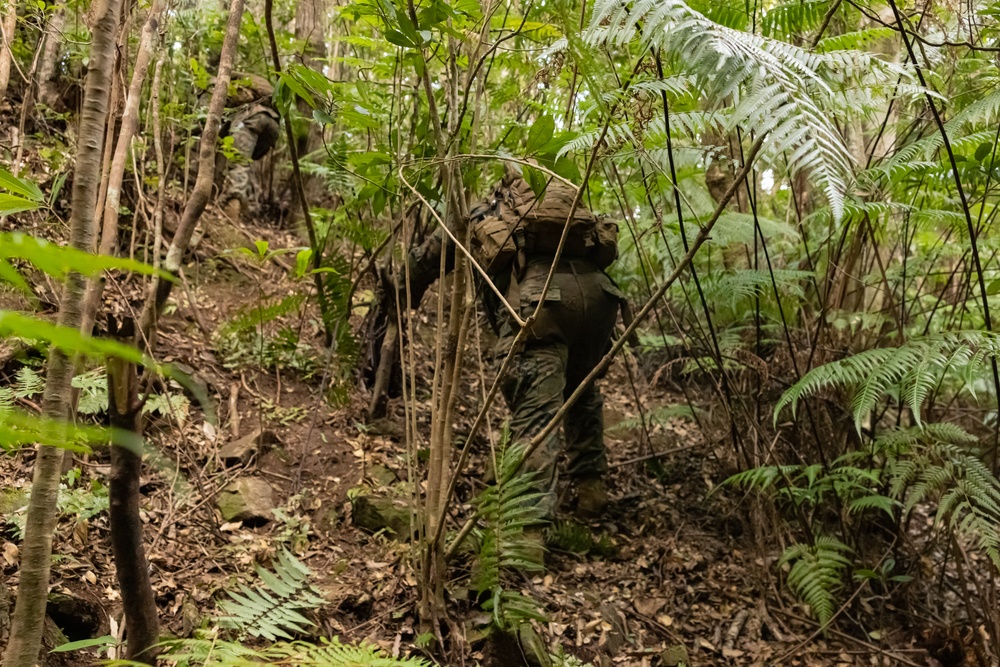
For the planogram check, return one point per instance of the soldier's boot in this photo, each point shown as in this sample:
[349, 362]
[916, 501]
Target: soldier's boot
[591, 498]
[233, 209]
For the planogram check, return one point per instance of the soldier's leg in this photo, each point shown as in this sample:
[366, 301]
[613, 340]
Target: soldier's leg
[534, 391]
[238, 178]
[585, 435]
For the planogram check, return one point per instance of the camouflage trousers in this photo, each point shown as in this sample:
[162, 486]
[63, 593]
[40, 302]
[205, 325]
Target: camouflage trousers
[253, 136]
[569, 338]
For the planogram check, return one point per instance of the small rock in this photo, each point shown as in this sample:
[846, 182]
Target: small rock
[675, 656]
[12, 500]
[376, 511]
[536, 654]
[326, 519]
[249, 499]
[190, 617]
[381, 476]
[239, 452]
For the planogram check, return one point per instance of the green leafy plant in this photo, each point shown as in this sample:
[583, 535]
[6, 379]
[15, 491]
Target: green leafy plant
[507, 510]
[272, 609]
[817, 573]
[911, 370]
[325, 653]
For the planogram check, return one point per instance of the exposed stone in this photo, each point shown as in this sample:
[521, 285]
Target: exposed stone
[380, 475]
[190, 617]
[616, 637]
[375, 511]
[239, 452]
[535, 652]
[522, 647]
[11, 500]
[675, 656]
[248, 499]
[326, 519]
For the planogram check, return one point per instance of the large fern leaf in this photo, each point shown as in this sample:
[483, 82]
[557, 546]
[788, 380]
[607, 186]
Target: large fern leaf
[776, 88]
[272, 609]
[912, 369]
[325, 653]
[507, 509]
[816, 574]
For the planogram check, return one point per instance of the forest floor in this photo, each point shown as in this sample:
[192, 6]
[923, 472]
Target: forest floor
[672, 575]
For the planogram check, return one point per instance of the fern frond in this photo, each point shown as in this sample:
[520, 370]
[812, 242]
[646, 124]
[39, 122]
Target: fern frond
[271, 609]
[247, 319]
[912, 368]
[660, 415]
[325, 653]
[778, 89]
[507, 509]
[816, 573]
[794, 18]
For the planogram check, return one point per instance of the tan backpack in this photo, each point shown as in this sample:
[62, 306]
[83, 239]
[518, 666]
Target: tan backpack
[517, 220]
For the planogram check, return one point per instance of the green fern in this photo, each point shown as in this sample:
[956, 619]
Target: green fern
[326, 653]
[936, 463]
[271, 610]
[816, 574]
[507, 509]
[660, 415]
[780, 90]
[856, 40]
[912, 370]
[93, 386]
[250, 318]
[794, 18]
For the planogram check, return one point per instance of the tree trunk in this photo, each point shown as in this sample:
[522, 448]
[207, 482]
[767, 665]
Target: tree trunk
[36, 553]
[310, 28]
[202, 191]
[7, 26]
[130, 121]
[48, 90]
[125, 409]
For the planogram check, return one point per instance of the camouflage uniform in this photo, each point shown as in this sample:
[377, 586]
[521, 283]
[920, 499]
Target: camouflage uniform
[254, 128]
[567, 340]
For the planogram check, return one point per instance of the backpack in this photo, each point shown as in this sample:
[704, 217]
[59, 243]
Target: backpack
[516, 220]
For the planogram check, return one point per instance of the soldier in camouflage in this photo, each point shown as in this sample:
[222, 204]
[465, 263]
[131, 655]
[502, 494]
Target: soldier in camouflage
[565, 343]
[254, 126]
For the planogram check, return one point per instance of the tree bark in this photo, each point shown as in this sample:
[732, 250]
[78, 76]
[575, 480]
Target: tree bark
[7, 26]
[130, 122]
[36, 553]
[48, 91]
[310, 28]
[125, 409]
[160, 289]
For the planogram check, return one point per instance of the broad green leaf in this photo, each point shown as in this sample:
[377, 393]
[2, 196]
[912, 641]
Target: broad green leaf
[106, 640]
[9, 274]
[296, 87]
[984, 151]
[536, 179]
[65, 338]
[20, 187]
[323, 117]
[13, 204]
[302, 262]
[57, 260]
[19, 428]
[399, 39]
[539, 135]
